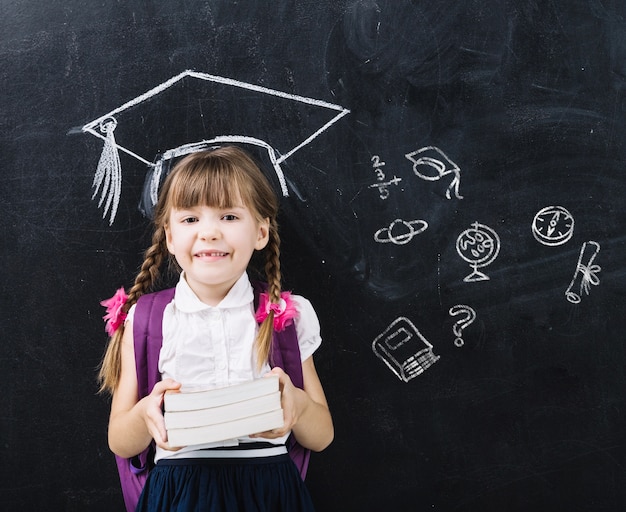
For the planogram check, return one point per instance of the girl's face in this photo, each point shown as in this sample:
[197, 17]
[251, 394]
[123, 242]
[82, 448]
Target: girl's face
[214, 246]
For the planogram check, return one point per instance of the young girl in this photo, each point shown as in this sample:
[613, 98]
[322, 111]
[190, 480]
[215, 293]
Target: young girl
[215, 209]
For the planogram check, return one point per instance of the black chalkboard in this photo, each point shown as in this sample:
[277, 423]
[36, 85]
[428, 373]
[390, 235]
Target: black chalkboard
[455, 212]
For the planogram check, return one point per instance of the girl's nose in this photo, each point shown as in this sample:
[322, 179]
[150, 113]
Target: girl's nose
[209, 231]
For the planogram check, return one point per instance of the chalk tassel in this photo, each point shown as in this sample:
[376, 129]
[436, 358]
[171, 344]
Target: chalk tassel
[108, 177]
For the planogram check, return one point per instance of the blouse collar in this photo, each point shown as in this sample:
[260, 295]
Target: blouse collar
[239, 295]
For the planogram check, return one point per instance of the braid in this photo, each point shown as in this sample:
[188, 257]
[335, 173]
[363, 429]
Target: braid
[150, 268]
[273, 276]
[272, 265]
[111, 366]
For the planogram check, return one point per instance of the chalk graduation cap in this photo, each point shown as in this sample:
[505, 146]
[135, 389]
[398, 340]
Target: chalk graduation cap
[193, 111]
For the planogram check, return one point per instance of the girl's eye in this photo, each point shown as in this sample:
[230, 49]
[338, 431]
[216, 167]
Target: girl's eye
[189, 220]
[229, 216]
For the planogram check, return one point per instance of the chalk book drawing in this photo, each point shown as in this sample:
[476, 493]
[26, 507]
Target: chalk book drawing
[404, 350]
[108, 176]
[586, 273]
[432, 164]
[479, 245]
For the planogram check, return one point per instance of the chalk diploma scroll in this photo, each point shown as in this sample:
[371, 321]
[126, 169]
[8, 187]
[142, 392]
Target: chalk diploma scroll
[585, 274]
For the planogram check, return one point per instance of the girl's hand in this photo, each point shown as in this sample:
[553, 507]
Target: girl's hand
[153, 412]
[305, 410]
[289, 403]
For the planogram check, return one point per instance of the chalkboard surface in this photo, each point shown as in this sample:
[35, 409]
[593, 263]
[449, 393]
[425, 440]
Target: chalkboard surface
[452, 204]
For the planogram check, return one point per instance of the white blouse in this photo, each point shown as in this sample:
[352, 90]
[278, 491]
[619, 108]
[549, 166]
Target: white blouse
[206, 346]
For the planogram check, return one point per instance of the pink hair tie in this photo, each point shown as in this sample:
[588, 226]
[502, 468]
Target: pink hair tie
[284, 310]
[115, 315]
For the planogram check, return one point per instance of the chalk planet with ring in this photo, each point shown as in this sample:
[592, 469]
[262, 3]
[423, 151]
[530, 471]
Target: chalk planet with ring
[400, 231]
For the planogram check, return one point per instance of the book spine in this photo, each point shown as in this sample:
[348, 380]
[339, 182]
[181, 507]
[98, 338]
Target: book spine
[187, 401]
[229, 412]
[222, 431]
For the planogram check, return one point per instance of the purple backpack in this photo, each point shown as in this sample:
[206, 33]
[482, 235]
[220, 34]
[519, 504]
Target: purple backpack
[148, 338]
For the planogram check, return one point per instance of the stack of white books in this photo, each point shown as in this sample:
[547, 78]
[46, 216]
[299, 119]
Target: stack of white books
[208, 416]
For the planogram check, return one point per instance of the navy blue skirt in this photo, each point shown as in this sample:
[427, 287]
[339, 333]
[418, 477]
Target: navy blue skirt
[262, 484]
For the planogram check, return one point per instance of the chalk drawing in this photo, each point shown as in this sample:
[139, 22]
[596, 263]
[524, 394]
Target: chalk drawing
[432, 164]
[553, 225]
[479, 246]
[586, 273]
[459, 325]
[404, 350]
[109, 171]
[400, 231]
[108, 177]
[382, 185]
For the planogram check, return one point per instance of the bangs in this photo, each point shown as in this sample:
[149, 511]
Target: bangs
[219, 185]
[225, 177]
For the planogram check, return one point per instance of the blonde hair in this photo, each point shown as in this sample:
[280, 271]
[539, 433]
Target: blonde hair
[215, 178]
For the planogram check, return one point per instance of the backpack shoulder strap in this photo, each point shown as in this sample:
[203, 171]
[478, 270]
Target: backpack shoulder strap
[148, 337]
[285, 349]
[285, 353]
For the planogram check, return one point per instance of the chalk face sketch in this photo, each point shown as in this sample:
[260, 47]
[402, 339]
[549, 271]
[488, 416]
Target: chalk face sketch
[479, 246]
[553, 225]
[108, 177]
[404, 350]
[381, 184]
[469, 315]
[586, 273]
[432, 164]
[400, 231]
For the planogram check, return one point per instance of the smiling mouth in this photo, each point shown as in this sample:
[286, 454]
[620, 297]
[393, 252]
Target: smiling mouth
[212, 254]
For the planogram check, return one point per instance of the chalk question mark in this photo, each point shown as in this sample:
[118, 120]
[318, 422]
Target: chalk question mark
[459, 325]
